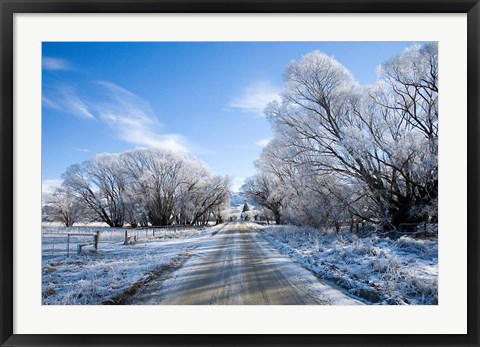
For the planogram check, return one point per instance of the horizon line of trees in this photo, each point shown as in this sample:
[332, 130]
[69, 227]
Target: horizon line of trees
[344, 153]
[140, 187]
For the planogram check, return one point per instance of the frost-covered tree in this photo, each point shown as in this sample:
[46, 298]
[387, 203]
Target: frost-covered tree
[148, 186]
[369, 151]
[192, 185]
[407, 94]
[63, 207]
[265, 190]
[135, 212]
[211, 198]
[174, 188]
[410, 82]
[100, 184]
[155, 175]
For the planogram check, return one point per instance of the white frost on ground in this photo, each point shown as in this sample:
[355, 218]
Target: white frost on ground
[93, 278]
[381, 270]
[378, 269]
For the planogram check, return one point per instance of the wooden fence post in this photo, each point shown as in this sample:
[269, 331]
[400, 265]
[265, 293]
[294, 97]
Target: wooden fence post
[96, 240]
[126, 238]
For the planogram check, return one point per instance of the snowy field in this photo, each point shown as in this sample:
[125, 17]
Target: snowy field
[61, 241]
[96, 278]
[380, 270]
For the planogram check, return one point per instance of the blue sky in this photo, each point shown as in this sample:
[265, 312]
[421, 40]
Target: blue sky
[203, 98]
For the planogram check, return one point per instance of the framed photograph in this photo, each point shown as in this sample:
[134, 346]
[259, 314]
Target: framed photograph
[239, 173]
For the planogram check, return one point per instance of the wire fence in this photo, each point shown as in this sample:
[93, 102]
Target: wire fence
[76, 240]
[55, 244]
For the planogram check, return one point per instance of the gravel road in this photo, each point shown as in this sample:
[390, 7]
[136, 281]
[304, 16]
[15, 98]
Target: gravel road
[236, 266]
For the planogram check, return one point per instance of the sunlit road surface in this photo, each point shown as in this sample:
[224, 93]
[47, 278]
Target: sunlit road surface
[237, 267]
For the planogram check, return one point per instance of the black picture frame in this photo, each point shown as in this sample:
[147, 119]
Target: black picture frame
[9, 7]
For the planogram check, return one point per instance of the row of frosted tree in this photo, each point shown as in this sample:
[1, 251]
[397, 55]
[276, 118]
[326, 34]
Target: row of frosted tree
[141, 187]
[343, 153]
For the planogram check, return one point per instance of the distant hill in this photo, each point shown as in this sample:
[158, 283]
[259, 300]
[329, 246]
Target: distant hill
[237, 199]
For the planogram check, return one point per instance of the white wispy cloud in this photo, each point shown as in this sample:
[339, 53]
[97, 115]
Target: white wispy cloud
[82, 149]
[65, 98]
[263, 143]
[134, 121]
[48, 186]
[47, 102]
[75, 104]
[128, 115]
[255, 97]
[51, 63]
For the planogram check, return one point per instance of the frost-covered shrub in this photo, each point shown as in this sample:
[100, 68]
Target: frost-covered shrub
[383, 270]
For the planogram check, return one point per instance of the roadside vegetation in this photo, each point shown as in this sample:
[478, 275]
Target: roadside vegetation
[140, 187]
[380, 270]
[344, 154]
